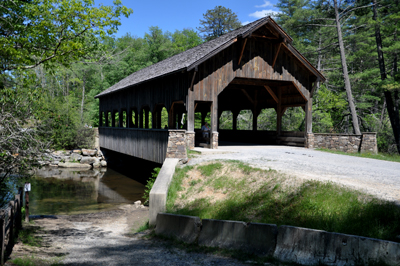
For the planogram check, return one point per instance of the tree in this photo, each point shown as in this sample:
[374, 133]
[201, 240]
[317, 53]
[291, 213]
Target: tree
[218, 21]
[41, 33]
[35, 32]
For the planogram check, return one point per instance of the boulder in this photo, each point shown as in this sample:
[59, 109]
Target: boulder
[96, 165]
[103, 163]
[77, 151]
[89, 160]
[74, 165]
[75, 157]
[99, 153]
[88, 152]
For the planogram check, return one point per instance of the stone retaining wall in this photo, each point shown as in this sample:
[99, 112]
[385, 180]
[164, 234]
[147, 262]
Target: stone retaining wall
[176, 144]
[343, 142]
[285, 243]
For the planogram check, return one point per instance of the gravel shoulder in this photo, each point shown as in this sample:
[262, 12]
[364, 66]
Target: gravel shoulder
[106, 238]
[376, 177]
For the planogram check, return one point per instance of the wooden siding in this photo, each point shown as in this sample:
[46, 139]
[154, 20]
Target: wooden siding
[164, 90]
[216, 73]
[148, 144]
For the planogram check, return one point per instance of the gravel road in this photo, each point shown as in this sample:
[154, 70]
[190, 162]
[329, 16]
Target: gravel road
[377, 177]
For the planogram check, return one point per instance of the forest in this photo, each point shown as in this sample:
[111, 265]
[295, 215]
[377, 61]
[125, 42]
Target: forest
[58, 54]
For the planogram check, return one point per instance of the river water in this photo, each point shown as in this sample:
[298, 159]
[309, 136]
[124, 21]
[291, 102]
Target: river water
[71, 191]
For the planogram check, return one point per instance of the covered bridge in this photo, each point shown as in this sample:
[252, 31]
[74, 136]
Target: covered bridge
[253, 67]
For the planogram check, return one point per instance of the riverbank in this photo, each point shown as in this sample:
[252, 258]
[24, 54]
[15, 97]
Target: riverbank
[77, 158]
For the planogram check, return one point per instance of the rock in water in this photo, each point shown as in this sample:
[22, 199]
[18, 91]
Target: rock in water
[88, 152]
[75, 165]
[89, 160]
[75, 157]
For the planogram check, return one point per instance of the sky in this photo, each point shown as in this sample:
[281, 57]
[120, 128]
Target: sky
[171, 15]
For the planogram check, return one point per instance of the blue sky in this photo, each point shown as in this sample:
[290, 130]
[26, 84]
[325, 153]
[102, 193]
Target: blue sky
[171, 15]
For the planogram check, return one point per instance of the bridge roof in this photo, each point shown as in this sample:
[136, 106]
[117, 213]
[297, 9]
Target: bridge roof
[191, 58]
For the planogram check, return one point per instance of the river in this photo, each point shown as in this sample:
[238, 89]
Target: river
[71, 191]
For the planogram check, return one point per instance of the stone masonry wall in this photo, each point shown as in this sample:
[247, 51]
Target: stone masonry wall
[176, 144]
[190, 140]
[214, 140]
[369, 143]
[343, 142]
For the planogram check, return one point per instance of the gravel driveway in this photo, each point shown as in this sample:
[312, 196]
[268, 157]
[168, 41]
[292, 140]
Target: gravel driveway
[377, 177]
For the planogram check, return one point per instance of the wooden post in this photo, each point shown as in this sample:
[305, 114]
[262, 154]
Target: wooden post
[21, 196]
[120, 118]
[136, 125]
[2, 235]
[146, 121]
[234, 119]
[159, 114]
[308, 118]
[11, 228]
[26, 206]
[107, 119]
[279, 113]
[113, 119]
[190, 111]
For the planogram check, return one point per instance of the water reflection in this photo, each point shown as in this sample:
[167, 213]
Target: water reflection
[69, 191]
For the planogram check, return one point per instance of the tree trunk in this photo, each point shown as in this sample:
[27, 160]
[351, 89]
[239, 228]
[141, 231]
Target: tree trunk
[392, 107]
[83, 99]
[346, 74]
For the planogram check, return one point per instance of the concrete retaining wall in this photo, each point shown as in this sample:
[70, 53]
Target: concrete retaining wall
[308, 246]
[285, 243]
[184, 228]
[159, 192]
[253, 237]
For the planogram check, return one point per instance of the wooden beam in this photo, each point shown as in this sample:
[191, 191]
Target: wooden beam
[248, 96]
[300, 91]
[276, 55]
[271, 92]
[314, 86]
[283, 110]
[293, 104]
[241, 53]
[195, 107]
[265, 37]
[194, 76]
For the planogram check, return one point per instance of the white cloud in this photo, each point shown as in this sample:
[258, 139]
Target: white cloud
[246, 22]
[266, 3]
[263, 13]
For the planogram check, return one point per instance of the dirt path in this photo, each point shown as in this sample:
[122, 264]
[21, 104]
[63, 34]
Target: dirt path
[106, 238]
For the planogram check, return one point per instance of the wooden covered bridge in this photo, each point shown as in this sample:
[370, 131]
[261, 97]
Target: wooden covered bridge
[253, 67]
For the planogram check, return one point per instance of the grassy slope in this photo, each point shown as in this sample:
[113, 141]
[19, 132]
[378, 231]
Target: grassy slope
[255, 195]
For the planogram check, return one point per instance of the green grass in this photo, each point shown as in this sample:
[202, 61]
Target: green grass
[313, 204]
[379, 156]
[28, 236]
[192, 153]
[143, 227]
[32, 261]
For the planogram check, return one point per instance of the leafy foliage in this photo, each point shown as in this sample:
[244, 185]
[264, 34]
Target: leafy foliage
[218, 21]
[150, 183]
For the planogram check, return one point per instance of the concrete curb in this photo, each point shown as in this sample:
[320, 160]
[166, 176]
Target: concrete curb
[184, 228]
[286, 243]
[159, 192]
[307, 246]
[253, 237]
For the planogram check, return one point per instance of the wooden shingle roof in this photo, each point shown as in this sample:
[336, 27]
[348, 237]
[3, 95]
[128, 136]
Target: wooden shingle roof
[189, 59]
